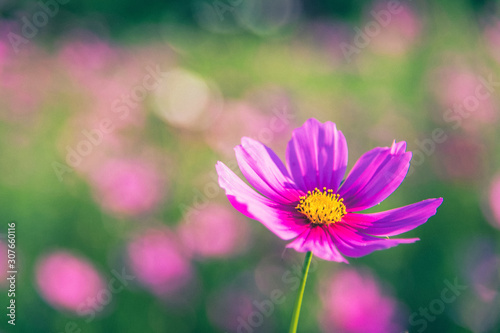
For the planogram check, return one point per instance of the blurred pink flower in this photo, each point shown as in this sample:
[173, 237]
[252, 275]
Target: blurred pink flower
[240, 118]
[486, 277]
[327, 37]
[67, 281]
[479, 309]
[127, 187]
[228, 309]
[25, 84]
[86, 56]
[7, 51]
[400, 33]
[107, 105]
[214, 231]
[460, 158]
[480, 264]
[238, 307]
[110, 81]
[158, 262]
[114, 90]
[494, 199]
[492, 36]
[3, 55]
[464, 98]
[353, 302]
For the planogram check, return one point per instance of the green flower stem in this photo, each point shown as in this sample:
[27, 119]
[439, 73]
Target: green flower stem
[298, 301]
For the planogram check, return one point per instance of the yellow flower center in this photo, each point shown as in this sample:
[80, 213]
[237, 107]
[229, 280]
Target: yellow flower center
[322, 207]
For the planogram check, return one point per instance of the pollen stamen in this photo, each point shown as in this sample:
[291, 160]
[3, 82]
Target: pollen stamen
[322, 207]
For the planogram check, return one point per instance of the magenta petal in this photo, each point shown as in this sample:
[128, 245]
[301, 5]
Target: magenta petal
[248, 202]
[265, 171]
[317, 156]
[395, 221]
[317, 240]
[398, 147]
[376, 174]
[356, 244]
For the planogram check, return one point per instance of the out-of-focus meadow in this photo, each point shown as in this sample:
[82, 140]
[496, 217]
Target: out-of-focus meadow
[111, 127]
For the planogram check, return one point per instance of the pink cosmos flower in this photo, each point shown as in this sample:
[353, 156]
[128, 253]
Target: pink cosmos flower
[308, 202]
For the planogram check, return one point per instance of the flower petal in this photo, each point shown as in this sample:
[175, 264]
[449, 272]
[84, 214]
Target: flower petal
[356, 244]
[395, 221]
[277, 218]
[317, 240]
[376, 174]
[317, 156]
[266, 172]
